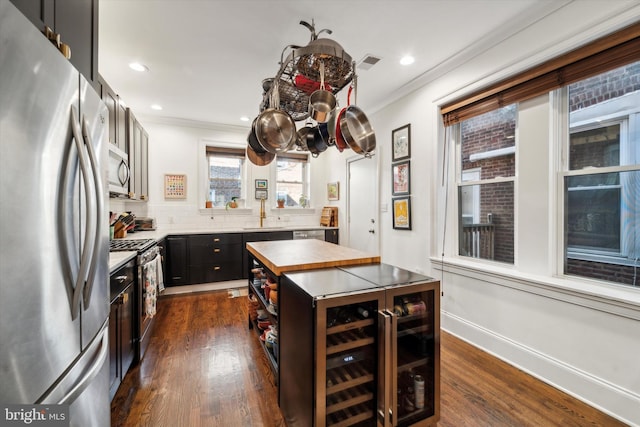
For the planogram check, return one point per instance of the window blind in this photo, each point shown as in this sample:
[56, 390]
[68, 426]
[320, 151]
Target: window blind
[293, 157]
[238, 153]
[599, 56]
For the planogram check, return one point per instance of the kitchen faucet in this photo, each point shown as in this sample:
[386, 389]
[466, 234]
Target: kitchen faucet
[263, 214]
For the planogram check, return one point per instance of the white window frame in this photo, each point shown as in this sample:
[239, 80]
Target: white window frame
[203, 178]
[306, 181]
[456, 140]
[624, 110]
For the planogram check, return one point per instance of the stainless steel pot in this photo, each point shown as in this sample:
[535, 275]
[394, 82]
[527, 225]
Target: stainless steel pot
[356, 129]
[274, 128]
[321, 102]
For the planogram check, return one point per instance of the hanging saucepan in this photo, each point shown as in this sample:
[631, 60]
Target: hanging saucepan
[341, 144]
[301, 138]
[275, 129]
[356, 129]
[310, 138]
[319, 142]
[252, 139]
[328, 129]
[259, 159]
[321, 102]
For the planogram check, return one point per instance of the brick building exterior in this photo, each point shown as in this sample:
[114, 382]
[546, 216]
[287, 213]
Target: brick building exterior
[496, 130]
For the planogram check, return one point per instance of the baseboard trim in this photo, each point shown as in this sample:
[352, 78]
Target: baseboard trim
[609, 398]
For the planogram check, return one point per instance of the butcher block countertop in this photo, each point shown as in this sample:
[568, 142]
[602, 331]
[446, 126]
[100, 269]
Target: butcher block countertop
[283, 256]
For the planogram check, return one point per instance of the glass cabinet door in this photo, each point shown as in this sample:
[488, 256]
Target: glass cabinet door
[347, 343]
[415, 354]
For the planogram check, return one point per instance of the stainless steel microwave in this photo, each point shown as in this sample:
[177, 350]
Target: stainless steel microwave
[119, 172]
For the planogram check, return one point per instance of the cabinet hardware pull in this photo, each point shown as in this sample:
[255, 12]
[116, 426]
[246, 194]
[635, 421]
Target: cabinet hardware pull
[216, 268]
[216, 250]
[121, 279]
[216, 239]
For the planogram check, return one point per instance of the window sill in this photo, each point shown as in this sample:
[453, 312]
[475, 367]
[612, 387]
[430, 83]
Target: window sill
[288, 210]
[621, 300]
[224, 211]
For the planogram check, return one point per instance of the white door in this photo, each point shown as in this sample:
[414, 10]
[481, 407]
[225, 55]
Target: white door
[362, 213]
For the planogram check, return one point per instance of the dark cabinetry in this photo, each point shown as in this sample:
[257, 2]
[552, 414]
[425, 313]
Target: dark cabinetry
[215, 257]
[138, 147]
[122, 343]
[117, 118]
[131, 139]
[331, 236]
[177, 267]
[76, 21]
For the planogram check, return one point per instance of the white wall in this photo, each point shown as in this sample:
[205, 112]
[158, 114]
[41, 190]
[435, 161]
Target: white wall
[177, 147]
[583, 337]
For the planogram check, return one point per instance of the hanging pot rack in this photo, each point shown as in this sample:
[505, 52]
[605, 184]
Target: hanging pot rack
[302, 68]
[299, 73]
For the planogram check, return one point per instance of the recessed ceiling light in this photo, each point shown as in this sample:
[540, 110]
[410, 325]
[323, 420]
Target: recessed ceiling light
[138, 67]
[407, 60]
[244, 118]
[156, 107]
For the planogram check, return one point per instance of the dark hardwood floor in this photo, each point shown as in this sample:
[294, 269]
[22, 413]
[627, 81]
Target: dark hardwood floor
[205, 368]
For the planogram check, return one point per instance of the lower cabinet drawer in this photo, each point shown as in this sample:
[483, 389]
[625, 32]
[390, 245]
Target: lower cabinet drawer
[215, 272]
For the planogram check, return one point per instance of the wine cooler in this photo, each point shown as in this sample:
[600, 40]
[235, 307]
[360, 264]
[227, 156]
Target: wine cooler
[359, 347]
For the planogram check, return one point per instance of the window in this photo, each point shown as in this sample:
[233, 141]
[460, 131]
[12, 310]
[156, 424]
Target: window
[292, 179]
[602, 176]
[486, 185]
[225, 174]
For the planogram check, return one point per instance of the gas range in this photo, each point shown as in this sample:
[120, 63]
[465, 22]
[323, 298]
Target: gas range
[137, 245]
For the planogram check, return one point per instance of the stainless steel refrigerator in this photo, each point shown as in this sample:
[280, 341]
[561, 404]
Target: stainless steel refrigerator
[53, 229]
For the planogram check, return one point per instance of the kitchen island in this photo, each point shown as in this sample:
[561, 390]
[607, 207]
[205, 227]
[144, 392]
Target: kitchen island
[286, 256]
[351, 340]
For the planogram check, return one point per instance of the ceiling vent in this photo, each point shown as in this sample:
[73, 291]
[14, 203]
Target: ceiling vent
[368, 61]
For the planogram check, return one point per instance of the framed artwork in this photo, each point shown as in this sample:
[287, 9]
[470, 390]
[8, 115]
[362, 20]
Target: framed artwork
[175, 186]
[402, 213]
[333, 191]
[401, 143]
[261, 184]
[401, 175]
[261, 194]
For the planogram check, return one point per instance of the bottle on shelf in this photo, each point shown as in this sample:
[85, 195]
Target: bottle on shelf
[363, 312]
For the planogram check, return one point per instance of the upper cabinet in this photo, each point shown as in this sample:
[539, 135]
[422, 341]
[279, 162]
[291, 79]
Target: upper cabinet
[127, 134]
[117, 117]
[76, 24]
[138, 145]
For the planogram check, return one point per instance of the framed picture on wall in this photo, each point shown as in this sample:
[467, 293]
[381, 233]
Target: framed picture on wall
[401, 176]
[261, 194]
[401, 143]
[333, 191]
[175, 186]
[261, 184]
[402, 213]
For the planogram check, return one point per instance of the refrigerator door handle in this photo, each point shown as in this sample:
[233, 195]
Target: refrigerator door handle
[98, 219]
[90, 363]
[385, 413]
[84, 254]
